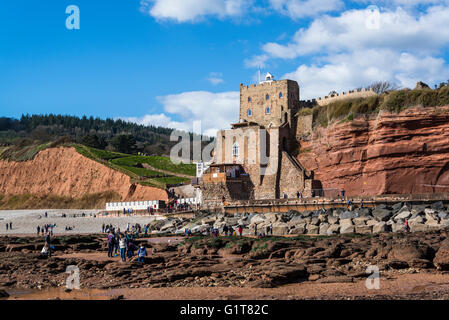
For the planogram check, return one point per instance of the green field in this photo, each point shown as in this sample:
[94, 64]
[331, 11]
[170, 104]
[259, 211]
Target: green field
[132, 166]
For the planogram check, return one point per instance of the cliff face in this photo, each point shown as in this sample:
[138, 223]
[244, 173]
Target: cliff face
[386, 154]
[64, 172]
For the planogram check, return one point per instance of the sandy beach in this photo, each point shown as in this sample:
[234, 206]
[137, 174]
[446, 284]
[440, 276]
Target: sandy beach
[25, 222]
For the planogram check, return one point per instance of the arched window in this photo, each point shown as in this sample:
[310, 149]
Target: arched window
[267, 97]
[280, 94]
[249, 99]
[235, 149]
[267, 110]
[250, 112]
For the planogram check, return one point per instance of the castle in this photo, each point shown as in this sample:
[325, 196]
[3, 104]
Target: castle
[256, 158]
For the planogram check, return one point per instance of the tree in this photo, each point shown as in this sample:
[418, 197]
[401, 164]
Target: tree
[94, 141]
[124, 143]
[382, 86]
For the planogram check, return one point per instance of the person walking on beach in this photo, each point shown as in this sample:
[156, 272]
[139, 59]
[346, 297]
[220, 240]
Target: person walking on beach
[7, 226]
[111, 243]
[255, 230]
[102, 228]
[48, 243]
[407, 227]
[10, 226]
[116, 243]
[38, 230]
[122, 245]
[141, 254]
[240, 231]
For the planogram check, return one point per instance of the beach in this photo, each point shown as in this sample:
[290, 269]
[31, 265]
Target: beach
[25, 222]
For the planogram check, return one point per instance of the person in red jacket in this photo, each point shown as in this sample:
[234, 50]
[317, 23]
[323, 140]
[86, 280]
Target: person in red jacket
[240, 231]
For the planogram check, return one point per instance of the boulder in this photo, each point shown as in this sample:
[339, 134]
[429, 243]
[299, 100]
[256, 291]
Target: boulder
[346, 222]
[363, 212]
[315, 221]
[323, 228]
[403, 215]
[381, 214]
[418, 227]
[443, 215]
[438, 206]
[397, 227]
[371, 222]
[408, 251]
[418, 219]
[380, 227]
[312, 229]
[345, 229]
[298, 229]
[363, 229]
[360, 221]
[259, 218]
[397, 206]
[306, 214]
[441, 260]
[332, 220]
[333, 229]
[323, 218]
[348, 215]
[280, 228]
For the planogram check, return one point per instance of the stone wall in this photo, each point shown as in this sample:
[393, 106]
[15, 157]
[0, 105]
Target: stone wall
[304, 126]
[291, 179]
[361, 93]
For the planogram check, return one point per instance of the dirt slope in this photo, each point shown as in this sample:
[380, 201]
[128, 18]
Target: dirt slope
[64, 172]
[390, 153]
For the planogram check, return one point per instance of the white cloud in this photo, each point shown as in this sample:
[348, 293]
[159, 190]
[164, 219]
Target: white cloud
[350, 50]
[194, 10]
[215, 78]
[305, 8]
[215, 111]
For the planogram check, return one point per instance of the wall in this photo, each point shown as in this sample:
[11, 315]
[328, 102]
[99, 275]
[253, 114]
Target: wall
[363, 93]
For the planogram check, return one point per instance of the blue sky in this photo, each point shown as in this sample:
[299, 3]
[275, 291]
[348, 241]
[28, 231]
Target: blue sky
[172, 62]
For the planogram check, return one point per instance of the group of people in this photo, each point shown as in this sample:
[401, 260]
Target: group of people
[47, 228]
[124, 243]
[227, 231]
[8, 226]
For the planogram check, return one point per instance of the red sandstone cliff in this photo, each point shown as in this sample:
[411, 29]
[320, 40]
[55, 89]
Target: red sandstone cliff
[386, 154]
[64, 172]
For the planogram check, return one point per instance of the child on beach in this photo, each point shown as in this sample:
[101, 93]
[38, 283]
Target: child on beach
[141, 254]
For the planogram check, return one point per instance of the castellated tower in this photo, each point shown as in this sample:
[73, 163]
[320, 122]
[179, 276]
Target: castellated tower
[269, 103]
[253, 160]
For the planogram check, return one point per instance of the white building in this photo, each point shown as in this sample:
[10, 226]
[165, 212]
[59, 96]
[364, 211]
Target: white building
[134, 205]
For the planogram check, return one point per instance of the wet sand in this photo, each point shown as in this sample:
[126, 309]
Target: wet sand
[398, 286]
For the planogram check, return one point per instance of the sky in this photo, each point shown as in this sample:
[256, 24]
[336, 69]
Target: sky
[174, 62]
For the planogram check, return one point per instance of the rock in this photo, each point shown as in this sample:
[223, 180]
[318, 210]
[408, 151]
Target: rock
[345, 229]
[381, 214]
[444, 223]
[371, 222]
[280, 228]
[363, 229]
[272, 217]
[418, 219]
[360, 221]
[397, 206]
[346, 222]
[441, 260]
[380, 227]
[443, 215]
[332, 220]
[312, 229]
[298, 229]
[258, 218]
[323, 228]
[438, 206]
[315, 221]
[296, 219]
[403, 215]
[306, 214]
[348, 215]
[397, 227]
[418, 227]
[333, 229]
[4, 294]
[323, 218]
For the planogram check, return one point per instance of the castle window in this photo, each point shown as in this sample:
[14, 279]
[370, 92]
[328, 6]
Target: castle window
[280, 94]
[249, 99]
[267, 110]
[267, 97]
[235, 149]
[250, 112]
